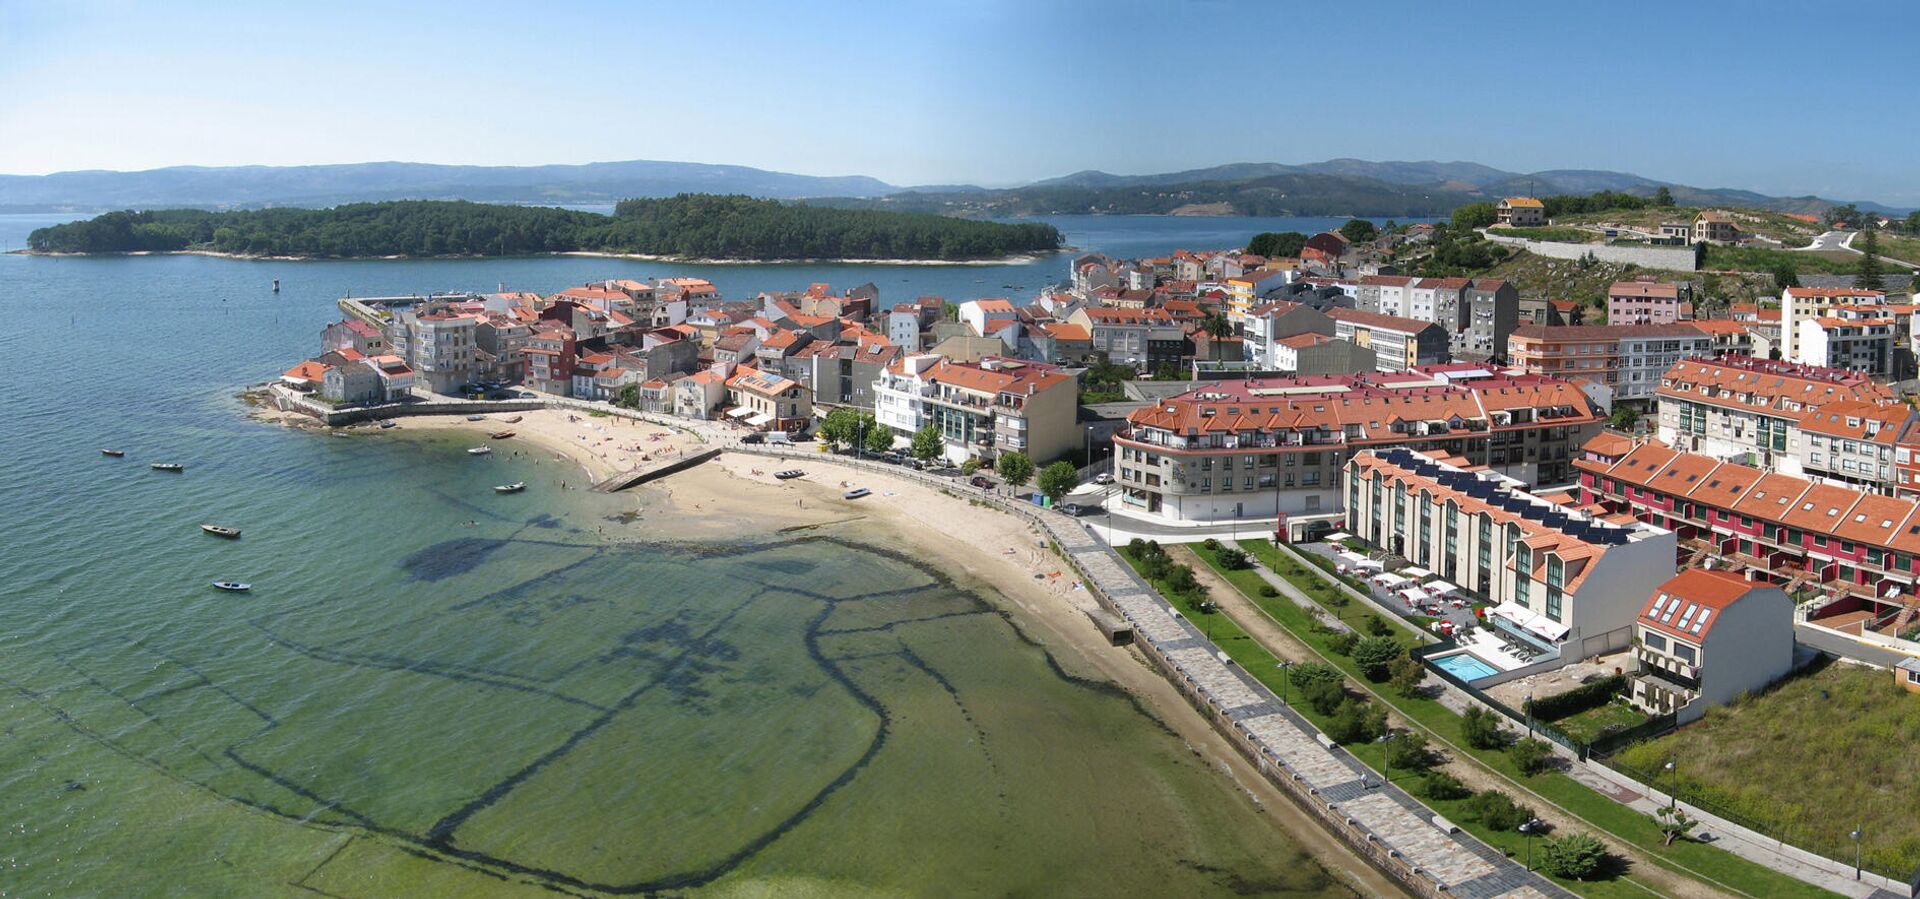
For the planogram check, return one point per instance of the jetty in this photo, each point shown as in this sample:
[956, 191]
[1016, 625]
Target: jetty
[640, 476]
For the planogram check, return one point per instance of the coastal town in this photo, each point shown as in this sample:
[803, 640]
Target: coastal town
[1595, 534]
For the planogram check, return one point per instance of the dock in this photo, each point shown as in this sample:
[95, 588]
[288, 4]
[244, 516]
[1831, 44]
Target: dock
[640, 476]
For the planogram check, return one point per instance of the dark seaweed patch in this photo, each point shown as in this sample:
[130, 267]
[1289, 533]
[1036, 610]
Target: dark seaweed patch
[451, 557]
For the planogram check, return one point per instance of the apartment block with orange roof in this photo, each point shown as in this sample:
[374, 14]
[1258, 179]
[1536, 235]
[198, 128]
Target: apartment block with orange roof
[1276, 446]
[982, 409]
[1797, 303]
[1742, 407]
[1561, 579]
[1853, 443]
[1705, 637]
[1857, 344]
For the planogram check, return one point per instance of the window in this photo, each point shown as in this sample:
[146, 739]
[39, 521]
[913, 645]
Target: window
[1685, 653]
[1654, 641]
[1913, 677]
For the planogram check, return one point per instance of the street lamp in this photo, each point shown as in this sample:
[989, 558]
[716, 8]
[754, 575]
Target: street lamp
[1856, 852]
[1386, 757]
[1527, 830]
[1673, 787]
[1286, 669]
[1529, 708]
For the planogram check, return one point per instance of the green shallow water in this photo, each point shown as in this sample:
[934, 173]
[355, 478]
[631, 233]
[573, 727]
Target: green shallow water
[435, 690]
[525, 704]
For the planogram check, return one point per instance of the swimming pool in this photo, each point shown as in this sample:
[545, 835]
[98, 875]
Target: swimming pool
[1465, 666]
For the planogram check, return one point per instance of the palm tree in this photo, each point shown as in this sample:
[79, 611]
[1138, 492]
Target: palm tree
[1218, 327]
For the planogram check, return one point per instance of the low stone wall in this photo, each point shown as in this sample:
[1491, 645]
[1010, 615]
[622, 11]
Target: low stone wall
[1680, 259]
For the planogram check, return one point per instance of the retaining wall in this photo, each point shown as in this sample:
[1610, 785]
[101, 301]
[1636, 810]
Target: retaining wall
[1681, 259]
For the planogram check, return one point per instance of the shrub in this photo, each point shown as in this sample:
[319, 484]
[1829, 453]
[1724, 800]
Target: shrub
[1378, 626]
[1324, 697]
[1180, 579]
[1376, 655]
[1531, 756]
[1356, 721]
[1498, 811]
[1575, 857]
[1233, 559]
[1343, 642]
[1268, 591]
[1211, 544]
[1482, 729]
[1441, 785]
[1592, 694]
[1136, 548]
[1309, 673]
[1407, 750]
[1405, 674]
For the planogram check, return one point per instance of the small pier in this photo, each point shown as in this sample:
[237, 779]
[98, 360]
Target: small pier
[640, 476]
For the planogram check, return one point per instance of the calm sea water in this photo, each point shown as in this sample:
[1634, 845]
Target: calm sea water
[434, 690]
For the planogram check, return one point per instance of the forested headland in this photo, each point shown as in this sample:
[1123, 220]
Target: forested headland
[689, 225]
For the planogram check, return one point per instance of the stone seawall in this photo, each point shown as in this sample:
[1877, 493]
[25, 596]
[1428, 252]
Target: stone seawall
[1679, 259]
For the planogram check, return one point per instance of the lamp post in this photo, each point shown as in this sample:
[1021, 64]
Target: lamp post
[1673, 786]
[1856, 851]
[1386, 757]
[1286, 669]
[1527, 830]
[1529, 708]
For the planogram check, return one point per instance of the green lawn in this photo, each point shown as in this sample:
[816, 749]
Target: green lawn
[1556, 235]
[1596, 722]
[1760, 259]
[1616, 822]
[1895, 246]
[1812, 759]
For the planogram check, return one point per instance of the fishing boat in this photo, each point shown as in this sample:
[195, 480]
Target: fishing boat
[221, 531]
[501, 435]
[514, 420]
[167, 466]
[855, 493]
[480, 451]
[511, 488]
[476, 418]
[789, 474]
[389, 423]
[114, 453]
[232, 586]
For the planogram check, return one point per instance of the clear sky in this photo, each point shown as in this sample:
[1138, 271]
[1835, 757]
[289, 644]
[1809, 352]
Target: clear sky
[1784, 98]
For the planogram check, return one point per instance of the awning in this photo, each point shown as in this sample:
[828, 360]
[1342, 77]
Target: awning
[1415, 573]
[1524, 618]
[1389, 580]
[759, 420]
[1414, 595]
[1374, 564]
[1439, 588]
[1351, 558]
[1338, 536]
[739, 412]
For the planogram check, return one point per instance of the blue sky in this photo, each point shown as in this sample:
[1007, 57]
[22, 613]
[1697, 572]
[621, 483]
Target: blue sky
[1785, 98]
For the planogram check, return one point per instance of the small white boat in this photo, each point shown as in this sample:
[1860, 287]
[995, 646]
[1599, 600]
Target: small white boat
[167, 466]
[476, 418]
[480, 451]
[114, 453]
[341, 434]
[510, 488]
[789, 474]
[855, 493]
[232, 586]
[389, 423]
[221, 531]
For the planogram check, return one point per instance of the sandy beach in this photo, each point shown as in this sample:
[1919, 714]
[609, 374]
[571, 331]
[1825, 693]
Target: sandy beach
[997, 554]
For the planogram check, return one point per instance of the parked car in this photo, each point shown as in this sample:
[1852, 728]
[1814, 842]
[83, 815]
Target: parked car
[981, 481]
[1074, 509]
[755, 437]
[1105, 477]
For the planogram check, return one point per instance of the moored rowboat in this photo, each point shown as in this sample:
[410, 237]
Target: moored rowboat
[511, 488]
[480, 450]
[232, 586]
[221, 530]
[167, 466]
[114, 453]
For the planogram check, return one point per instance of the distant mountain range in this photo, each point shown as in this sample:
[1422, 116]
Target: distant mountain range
[1334, 187]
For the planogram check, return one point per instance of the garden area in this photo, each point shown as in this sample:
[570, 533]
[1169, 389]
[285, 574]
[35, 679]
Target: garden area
[1809, 761]
[1483, 738]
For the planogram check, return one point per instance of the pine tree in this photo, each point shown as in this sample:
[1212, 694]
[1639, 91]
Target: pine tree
[1867, 276]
